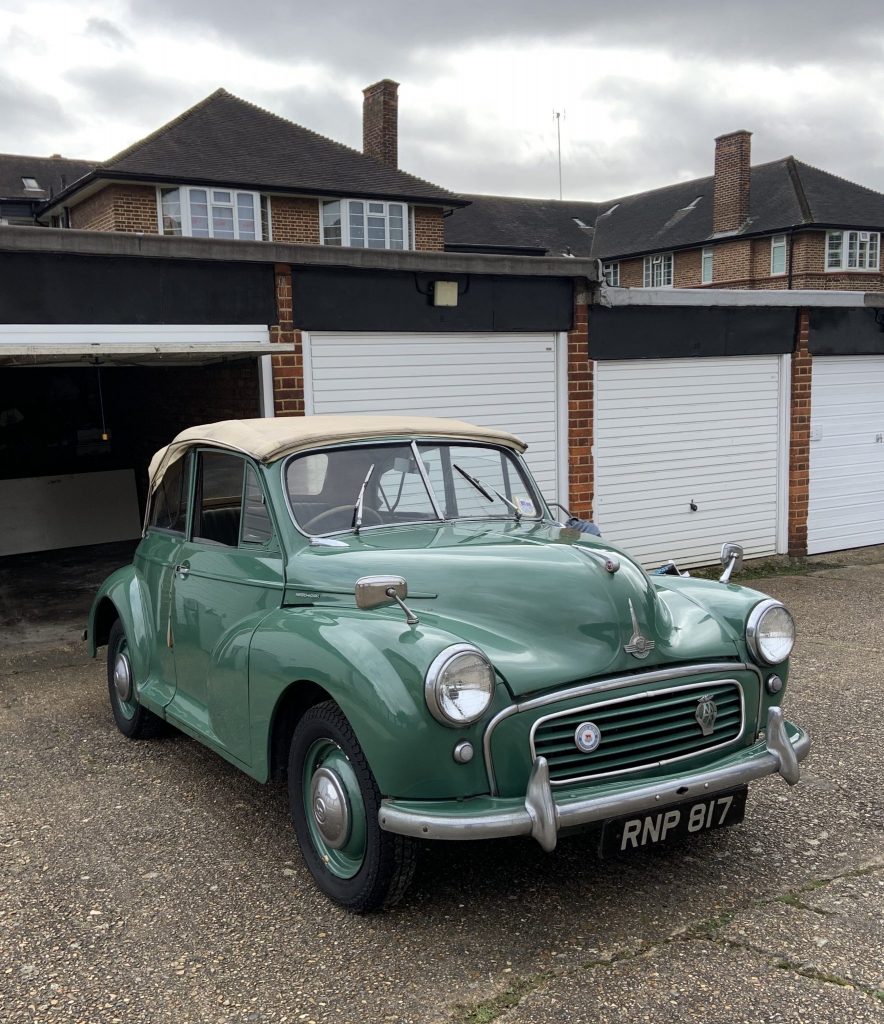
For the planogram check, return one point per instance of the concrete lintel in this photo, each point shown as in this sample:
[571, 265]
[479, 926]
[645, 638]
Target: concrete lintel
[706, 297]
[118, 243]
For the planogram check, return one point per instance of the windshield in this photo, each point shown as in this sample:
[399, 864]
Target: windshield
[327, 490]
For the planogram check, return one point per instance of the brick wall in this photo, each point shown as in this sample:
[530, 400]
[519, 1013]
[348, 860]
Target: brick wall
[429, 232]
[687, 269]
[288, 367]
[799, 439]
[733, 263]
[631, 273]
[118, 208]
[294, 220]
[580, 412]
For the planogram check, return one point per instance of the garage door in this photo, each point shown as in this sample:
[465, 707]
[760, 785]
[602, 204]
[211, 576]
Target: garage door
[687, 455]
[507, 381]
[846, 453]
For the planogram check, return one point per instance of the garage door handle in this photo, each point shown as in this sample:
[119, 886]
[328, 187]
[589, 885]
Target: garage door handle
[182, 570]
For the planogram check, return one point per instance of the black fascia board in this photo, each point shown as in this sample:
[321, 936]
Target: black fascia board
[172, 181]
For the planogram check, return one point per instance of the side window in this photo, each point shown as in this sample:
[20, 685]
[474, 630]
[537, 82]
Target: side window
[218, 506]
[257, 527]
[169, 503]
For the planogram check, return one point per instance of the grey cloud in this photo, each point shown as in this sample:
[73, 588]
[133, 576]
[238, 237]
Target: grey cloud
[126, 89]
[385, 39]
[30, 117]
[108, 32]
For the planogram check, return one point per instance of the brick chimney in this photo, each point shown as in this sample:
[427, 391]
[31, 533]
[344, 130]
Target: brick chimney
[380, 122]
[731, 201]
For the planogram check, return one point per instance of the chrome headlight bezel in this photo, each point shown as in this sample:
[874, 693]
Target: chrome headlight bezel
[753, 626]
[435, 677]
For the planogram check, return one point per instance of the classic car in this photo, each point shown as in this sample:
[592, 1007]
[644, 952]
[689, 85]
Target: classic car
[385, 611]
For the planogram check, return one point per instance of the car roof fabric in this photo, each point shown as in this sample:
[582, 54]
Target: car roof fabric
[270, 438]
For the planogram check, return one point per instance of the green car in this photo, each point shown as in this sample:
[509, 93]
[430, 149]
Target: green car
[384, 610]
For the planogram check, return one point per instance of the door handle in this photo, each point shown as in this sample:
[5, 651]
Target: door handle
[182, 570]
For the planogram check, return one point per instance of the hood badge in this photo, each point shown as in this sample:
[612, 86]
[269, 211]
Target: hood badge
[706, 713]
[639, 646]
[587, 737]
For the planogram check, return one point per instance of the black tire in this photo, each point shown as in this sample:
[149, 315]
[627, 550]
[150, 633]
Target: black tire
[383, 870]
[133, 720]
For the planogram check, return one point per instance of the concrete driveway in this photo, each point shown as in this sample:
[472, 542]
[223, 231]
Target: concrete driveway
[153, 882]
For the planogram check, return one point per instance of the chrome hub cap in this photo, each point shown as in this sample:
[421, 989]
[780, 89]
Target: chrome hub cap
[331, 809]
[123, 677]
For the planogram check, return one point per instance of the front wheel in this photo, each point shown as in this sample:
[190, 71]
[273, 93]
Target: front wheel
[133, 720]
[334, 801]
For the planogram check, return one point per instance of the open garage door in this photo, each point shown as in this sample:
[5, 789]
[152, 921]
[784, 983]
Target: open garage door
[688, 454]
[510, 381]
[846, 508]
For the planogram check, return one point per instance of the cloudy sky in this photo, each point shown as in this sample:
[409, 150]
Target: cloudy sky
[644, 85]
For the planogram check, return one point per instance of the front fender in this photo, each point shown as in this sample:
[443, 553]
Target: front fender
[373, 667]
[124, 591]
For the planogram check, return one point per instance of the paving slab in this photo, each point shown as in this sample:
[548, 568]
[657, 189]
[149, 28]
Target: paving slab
[692, 982]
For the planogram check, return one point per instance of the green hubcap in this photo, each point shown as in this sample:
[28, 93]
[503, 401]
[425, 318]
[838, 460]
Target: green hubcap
[123, 687]
[334, 809]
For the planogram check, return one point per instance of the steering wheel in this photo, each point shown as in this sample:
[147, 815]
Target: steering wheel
[345, 511]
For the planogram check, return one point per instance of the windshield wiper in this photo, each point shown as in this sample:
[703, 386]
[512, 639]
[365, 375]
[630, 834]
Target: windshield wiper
[483, 490]
[357, 508]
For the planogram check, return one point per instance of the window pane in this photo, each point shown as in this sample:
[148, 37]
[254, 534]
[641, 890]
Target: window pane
[199, 213]
[377, 232]
[778, 255]
[852, 249]
[265, 219]
[833, 250]
[169, 503]
[171, 211]
[220, 498]
[396, 226]
[331, 222]
[357, 224]
[221, 197]
[375, 207]
[874, 245]
[257, 527]
[245, 215]
[222, 222]
[706, 274]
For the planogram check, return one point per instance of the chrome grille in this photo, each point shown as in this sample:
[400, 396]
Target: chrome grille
[640, 731]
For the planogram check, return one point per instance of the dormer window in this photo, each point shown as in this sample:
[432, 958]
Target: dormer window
[366, 224]
[31, 185]
[213, 213]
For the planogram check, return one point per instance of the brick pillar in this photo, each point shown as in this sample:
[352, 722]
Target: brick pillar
[799, 438]
[288, 367]
[580, 398]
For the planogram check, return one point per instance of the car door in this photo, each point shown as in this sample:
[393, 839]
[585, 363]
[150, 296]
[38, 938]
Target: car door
[155, 560]
[229, 575]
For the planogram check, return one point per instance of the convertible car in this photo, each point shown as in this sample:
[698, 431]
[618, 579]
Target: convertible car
[385, 611]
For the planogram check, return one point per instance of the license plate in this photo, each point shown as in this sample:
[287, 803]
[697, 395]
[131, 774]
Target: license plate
[620, 835]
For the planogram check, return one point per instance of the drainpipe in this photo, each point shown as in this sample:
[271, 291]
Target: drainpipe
[791, 238]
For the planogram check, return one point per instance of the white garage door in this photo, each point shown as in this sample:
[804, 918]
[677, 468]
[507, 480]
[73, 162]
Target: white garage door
[846, 453]
[507, 381]
[675, 433]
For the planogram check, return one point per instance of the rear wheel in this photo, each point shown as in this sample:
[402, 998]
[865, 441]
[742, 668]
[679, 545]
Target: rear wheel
[133, 720]
[334, 802]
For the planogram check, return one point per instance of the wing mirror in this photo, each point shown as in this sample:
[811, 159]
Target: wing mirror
[731, 559]
[374, 591]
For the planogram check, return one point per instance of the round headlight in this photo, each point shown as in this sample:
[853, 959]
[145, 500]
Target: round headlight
[770, 632]
[459, 685]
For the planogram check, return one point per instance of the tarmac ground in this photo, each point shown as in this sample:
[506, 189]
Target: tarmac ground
[154, 882]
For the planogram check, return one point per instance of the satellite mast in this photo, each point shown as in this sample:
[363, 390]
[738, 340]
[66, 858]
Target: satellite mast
[557, 117]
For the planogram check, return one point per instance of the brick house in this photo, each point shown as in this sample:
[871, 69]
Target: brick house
[778, 225]
[27, 182]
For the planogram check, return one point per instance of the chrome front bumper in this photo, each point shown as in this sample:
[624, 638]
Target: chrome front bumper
[543, 817]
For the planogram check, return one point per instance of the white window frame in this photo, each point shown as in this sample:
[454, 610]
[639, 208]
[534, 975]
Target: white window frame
[611, 273]
[707, 253]
[36, 187]
[408, 233]
[863, 238]
[778, 242]
[186, 222]
[666, 264]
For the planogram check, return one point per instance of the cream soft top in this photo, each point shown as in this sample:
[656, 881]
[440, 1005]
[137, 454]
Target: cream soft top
[268, 439]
